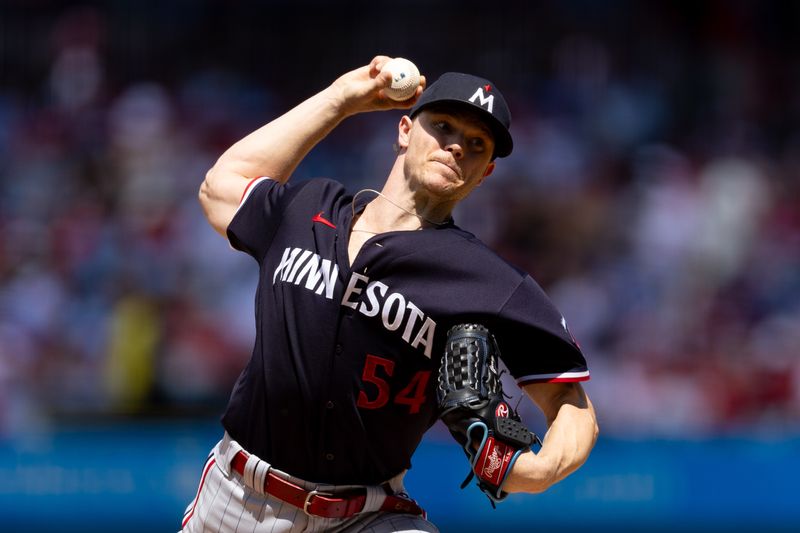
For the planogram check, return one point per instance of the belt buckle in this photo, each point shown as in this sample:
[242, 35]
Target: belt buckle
[310, 495]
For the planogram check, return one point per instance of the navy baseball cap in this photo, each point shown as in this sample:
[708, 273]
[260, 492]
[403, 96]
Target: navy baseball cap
[478, 94]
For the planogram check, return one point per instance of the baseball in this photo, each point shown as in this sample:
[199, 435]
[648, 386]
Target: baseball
[405, 79]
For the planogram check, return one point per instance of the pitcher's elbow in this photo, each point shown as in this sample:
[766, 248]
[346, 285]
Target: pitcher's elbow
[205, 193]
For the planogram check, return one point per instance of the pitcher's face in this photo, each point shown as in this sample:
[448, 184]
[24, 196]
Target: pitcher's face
[448, 151]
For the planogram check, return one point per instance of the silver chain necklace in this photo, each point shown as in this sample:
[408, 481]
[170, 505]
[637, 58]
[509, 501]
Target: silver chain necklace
[353, 205]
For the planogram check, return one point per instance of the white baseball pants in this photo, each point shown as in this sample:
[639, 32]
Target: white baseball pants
[226, 504]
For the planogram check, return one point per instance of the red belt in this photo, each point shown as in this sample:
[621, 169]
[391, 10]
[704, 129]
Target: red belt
[316, 503]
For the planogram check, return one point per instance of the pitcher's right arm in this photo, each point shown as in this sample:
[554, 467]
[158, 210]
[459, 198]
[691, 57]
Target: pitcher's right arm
[275, 150]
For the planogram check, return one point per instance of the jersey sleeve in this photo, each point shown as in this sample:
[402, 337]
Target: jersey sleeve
[260, 210]
[535, 342]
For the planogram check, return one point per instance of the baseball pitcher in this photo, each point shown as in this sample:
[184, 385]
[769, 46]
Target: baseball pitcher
[376, 315]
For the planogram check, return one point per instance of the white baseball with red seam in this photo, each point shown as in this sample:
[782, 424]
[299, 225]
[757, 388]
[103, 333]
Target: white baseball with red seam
[405, 79]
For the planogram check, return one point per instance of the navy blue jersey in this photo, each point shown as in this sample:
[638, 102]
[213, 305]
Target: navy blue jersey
[341, 384]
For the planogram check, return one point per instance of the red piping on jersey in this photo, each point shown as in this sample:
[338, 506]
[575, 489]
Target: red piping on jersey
[554, 380]
[247, 188]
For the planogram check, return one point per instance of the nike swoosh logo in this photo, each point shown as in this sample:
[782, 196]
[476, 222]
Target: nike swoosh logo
[318, 218]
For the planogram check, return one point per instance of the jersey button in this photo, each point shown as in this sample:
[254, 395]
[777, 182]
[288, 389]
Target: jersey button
[329, 405]
[329, 456]
[339, 348]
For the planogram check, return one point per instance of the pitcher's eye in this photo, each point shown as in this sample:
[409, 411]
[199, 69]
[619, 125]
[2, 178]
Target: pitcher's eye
[478, 144]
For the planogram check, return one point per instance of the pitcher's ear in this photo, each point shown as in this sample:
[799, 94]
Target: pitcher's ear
[489, 170]
[403, 131]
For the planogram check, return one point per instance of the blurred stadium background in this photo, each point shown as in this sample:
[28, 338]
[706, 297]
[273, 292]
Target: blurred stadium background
[654, 192]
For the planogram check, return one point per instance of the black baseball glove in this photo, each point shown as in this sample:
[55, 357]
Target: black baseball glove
[474, 409]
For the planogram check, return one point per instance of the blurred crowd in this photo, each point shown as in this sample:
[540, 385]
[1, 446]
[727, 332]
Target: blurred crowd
[659, 206]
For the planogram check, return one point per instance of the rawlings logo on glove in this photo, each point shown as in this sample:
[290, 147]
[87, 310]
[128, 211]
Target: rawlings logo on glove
[471, 402]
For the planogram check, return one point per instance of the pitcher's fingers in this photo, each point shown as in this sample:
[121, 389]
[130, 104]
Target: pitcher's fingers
[376, 65]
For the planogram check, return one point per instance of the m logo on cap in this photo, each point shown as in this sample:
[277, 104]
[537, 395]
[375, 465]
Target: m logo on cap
[487, 101]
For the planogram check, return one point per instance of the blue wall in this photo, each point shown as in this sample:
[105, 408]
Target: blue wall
[140, 477]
